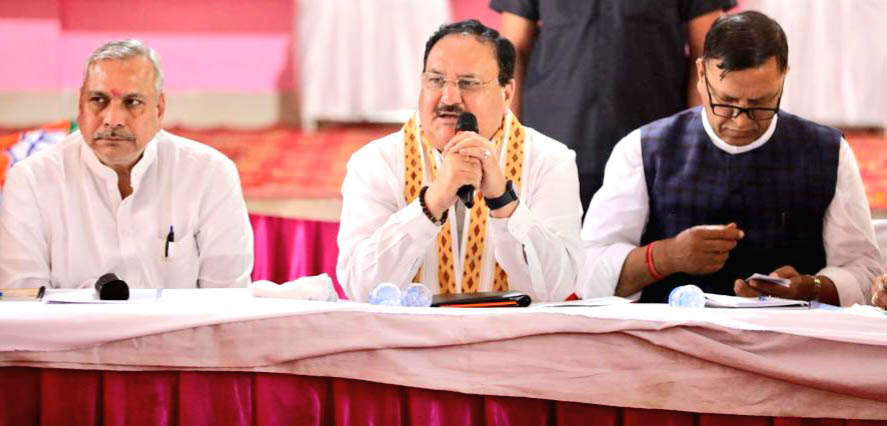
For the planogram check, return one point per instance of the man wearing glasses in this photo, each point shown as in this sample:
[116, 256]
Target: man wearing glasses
[712, 195]
[402, 220]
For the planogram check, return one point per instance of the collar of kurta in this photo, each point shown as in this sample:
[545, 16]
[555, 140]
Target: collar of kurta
[108, 175]
[733, 149]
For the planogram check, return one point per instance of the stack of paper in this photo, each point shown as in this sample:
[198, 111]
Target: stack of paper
[722, 301]
[136, 295]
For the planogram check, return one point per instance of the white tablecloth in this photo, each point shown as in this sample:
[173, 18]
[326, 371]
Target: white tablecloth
[36, 326]
[797, 363]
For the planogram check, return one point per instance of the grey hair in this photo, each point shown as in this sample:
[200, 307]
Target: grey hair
[126, 49]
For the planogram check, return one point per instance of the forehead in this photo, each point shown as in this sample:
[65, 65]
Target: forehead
[462, 54]
[124, 75]
[748, 83]
[753, 84]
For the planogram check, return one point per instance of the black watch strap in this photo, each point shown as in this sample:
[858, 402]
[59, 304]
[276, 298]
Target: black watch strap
[504, 199]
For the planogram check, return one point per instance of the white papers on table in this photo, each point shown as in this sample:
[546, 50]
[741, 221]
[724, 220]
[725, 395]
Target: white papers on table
[722, 301]
[138, 295]
[766, 278]
[597, 301]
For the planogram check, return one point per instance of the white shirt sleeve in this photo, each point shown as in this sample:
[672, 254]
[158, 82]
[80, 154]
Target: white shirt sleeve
[853, 258]
[538, 246]
[225, 237]
[616, 219]
[24, 244]
[379, 241]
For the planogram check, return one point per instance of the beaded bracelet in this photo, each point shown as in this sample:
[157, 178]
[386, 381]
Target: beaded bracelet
[428, 212]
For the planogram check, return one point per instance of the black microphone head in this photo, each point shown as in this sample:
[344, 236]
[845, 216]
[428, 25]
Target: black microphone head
[110, 287]
[467, 122]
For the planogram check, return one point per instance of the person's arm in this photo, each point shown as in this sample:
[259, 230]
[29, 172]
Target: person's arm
[615, 264]
[225, 237]
[380, 240]
[699, 250]
[522, 33]
[538, 245]
[615, 221]
[800, 287]
[879, 291]
[24, 243]
[697, 28]
[852, 256]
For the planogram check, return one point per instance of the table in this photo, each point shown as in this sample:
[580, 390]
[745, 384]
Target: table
[222, 357]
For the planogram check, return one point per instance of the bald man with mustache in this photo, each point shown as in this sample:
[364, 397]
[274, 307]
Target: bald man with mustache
[123, 196]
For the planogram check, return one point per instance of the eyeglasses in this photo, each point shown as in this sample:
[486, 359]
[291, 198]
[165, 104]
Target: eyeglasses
[733, 111]
[436, 82]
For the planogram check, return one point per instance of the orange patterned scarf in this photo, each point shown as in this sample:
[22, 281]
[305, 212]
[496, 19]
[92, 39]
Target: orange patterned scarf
[417, 149]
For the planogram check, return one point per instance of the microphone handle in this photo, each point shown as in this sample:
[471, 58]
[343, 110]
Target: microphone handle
[466, 194]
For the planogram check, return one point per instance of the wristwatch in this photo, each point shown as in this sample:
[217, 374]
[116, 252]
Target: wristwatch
[504, 199]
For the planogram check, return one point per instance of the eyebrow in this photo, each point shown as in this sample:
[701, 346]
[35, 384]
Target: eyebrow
[467, 75]
[732, 99]
[106, 95]
[760, 99]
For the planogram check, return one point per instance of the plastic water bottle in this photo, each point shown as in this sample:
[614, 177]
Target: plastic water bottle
[385, 294]
[331, 295]
[686, 296]
[417, 295]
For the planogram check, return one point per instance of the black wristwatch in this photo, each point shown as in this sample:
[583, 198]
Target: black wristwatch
[504, 199]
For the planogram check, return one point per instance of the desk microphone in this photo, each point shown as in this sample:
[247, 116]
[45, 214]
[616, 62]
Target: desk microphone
[467, 122]
[110, 287]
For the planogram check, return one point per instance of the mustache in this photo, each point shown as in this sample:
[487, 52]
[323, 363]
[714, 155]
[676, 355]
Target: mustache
[114, 134]
[448, 109]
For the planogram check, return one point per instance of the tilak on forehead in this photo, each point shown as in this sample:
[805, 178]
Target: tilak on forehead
[115, 92]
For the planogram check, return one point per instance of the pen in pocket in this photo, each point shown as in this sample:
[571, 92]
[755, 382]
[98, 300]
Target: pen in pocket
[169, 238]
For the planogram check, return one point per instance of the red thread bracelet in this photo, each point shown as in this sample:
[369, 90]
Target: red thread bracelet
[651, 269]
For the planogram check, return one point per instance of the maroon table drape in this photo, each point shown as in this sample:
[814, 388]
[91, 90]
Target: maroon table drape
[85, 397]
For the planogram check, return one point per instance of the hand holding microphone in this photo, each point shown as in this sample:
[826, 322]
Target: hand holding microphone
[474, 146]
[458, 175]
[471, 162]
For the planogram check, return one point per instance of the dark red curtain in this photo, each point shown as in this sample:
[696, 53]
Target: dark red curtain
[34, 396]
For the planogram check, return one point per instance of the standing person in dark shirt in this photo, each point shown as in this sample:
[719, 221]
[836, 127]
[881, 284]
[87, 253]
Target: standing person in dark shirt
[590, 71]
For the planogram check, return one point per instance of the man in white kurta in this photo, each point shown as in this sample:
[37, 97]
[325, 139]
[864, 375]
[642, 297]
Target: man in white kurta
[711, 196]
[123, 196]
[529, 242]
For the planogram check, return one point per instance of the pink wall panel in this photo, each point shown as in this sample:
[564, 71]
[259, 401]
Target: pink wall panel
[29, 57]
[178, 16]
[244, 63]
[48, 9]
[205, 45]
[477, 9]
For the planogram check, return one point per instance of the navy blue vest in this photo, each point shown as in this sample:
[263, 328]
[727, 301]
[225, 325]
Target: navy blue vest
[777, 193]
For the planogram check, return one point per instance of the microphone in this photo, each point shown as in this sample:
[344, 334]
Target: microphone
[467, 122]
[110, 287]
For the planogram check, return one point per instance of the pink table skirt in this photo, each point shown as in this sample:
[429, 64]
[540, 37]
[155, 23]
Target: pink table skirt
[286, 249]
[84, 397]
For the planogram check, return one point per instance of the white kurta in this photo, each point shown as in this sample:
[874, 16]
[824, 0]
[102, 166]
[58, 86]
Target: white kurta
[63, 223]
[619, 211]
[382, 239]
